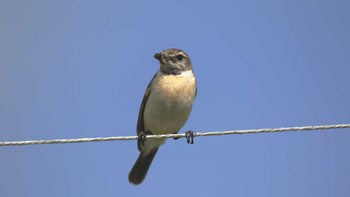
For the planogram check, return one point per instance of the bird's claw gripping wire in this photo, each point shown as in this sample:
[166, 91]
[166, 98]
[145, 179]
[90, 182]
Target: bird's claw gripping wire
[142, 138]
[189, 136]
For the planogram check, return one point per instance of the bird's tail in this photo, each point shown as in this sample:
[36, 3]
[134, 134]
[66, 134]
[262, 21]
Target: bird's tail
[141, 166]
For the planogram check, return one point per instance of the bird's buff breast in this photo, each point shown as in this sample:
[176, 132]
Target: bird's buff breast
[170, 103]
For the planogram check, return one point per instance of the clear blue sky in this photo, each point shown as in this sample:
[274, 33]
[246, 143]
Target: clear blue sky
[71, 69]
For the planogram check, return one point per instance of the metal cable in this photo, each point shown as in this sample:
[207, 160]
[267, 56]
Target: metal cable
[196, 134]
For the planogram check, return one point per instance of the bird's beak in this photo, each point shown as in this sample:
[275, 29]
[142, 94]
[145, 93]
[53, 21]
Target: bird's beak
[157, 56]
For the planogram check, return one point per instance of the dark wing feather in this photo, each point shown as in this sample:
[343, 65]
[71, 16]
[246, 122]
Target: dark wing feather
[140, 121]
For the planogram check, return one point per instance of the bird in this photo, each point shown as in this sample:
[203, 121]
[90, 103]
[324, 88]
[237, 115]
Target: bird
[165, 107]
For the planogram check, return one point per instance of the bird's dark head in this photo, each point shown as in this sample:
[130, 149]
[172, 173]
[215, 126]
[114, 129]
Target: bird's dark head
[173, 61]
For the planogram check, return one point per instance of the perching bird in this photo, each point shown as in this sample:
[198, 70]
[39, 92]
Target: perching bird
[165, 107]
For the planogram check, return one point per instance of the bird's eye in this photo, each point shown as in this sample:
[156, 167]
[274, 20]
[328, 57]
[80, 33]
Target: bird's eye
[180, 57]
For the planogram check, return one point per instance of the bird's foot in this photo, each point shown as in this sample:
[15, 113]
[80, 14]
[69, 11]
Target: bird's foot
[142, 138]
[189, 136]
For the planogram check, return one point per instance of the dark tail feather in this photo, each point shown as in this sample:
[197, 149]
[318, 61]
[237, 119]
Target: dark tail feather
[141, 166]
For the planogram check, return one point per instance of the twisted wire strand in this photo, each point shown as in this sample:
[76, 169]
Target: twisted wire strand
[197, 134]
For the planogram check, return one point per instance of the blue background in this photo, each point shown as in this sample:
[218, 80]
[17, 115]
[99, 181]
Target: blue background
[71, 69]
